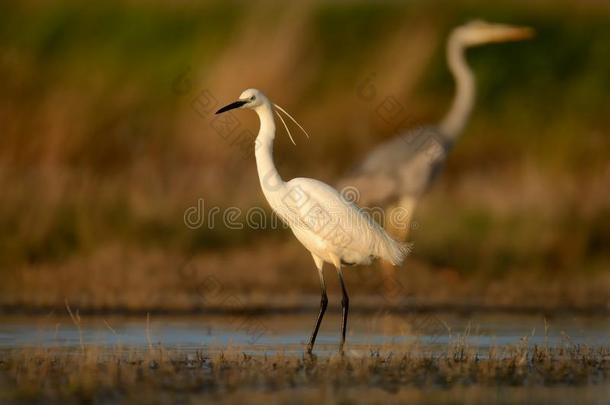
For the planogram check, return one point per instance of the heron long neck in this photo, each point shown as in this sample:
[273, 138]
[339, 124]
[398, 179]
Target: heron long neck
[455, 120]
[267, 173]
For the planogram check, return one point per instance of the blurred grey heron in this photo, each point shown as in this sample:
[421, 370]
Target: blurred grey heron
[399, 171]
[333, 229]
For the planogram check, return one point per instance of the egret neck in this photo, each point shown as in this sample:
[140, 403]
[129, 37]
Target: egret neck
[270, 179]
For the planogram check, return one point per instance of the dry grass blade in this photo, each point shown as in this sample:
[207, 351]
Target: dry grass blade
[148, 338]
[77, 322]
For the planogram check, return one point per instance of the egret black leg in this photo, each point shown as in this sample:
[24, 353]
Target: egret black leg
[344, 307]
[323, 305]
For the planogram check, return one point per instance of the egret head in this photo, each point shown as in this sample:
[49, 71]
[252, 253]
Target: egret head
[250, 98]
[480, 32]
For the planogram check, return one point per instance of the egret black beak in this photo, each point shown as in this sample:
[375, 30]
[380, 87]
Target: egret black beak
[231, 106]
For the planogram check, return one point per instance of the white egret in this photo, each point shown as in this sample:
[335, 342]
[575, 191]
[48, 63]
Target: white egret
[333, 229]
[396, 173]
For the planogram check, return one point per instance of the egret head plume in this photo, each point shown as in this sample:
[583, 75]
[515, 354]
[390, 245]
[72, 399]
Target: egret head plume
[285, 126]
[277, 112]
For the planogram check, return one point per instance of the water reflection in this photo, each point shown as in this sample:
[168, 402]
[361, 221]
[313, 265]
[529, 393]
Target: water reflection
[288, 333]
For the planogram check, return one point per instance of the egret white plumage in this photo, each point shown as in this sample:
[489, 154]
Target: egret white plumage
[397, 173]
[333, 229]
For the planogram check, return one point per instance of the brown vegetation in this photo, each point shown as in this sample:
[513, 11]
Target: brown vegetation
[103, 148]
[368, 374]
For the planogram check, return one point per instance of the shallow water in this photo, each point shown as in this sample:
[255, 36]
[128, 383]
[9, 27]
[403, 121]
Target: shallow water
[288, 333]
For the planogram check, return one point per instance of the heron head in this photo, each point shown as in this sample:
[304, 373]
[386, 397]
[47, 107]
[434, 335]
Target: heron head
[250, 98]
[480, 32]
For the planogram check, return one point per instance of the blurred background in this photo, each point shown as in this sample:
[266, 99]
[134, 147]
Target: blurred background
[108, 139]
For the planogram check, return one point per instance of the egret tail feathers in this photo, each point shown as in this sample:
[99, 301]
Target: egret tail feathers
[395, 252]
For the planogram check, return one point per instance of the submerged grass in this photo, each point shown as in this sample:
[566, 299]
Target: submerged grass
[400, 373]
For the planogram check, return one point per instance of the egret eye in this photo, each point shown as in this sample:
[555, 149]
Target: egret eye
[252, 98]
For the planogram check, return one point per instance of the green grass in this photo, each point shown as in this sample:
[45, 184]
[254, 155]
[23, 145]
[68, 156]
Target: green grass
[343, 37]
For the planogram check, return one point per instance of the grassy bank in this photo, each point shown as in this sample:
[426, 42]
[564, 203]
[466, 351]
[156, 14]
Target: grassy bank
[233, 375]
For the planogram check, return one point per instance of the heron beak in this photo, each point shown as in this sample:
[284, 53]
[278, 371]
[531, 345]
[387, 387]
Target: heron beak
[515, 33]
[231, 106]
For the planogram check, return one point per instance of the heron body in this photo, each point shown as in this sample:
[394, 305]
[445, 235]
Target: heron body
[333, 229]
[400, 168]
[398, 172]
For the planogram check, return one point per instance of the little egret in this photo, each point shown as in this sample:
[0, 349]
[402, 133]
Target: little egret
[396, 173]
[333, 229]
